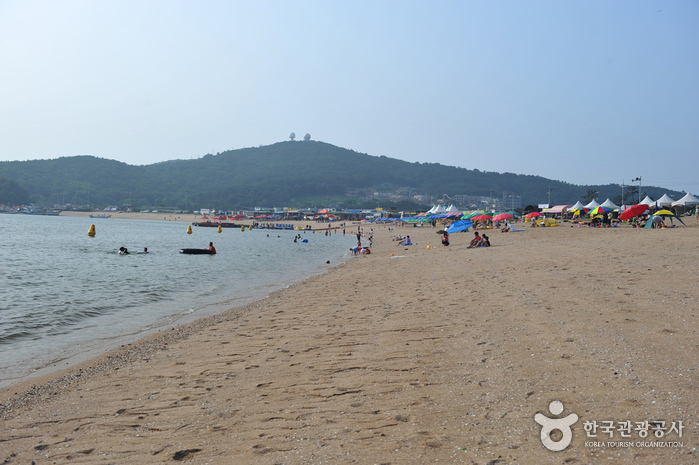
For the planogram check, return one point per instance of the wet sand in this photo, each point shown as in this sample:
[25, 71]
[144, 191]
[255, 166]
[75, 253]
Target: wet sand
[407, 355]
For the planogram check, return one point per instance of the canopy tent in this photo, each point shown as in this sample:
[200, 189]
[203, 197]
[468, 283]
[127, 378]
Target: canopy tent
[609, 204]
[647, 201]
[577, 206]
[436, 210]
[592, 205]
[452, 208]
[664, 201]
[688, 199]
[652, 219]
[557, 209]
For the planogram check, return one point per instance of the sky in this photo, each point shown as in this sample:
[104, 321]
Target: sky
[586, 92]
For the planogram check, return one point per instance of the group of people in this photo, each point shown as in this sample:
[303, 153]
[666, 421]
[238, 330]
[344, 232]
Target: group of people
[479, 241]
[125, 251]
[359, 250]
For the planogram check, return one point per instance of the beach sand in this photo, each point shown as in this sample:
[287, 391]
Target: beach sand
[409, 355]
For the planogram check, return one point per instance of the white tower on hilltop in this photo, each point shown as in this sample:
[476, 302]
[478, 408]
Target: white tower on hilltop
[307, 137]
[292, 136]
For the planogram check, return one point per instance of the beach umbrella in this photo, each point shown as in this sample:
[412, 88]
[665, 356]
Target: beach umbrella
[441, 231]
[481, 217]
[503, 216]
[458, 226]
[534, 215]
[633, 211]
[664, 213]
[600, 210]
[471, 215]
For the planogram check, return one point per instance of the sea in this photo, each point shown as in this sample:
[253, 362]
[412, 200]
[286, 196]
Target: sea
[65, 296]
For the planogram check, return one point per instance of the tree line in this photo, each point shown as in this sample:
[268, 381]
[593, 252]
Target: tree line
[291, 173]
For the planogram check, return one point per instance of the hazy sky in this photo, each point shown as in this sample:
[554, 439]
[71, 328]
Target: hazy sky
[581, 91]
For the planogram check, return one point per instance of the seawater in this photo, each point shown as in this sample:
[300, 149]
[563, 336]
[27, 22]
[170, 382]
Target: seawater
[63, 293]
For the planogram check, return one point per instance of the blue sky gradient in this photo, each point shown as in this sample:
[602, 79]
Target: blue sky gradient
[587, 92]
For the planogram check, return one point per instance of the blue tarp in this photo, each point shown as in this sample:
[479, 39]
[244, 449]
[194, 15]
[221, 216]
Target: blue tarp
[459, 226]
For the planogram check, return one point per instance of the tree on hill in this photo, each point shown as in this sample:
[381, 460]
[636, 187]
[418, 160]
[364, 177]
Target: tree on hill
[286, 173]
[12, 194]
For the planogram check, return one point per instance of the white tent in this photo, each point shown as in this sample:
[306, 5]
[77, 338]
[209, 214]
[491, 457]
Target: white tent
[577, 205]
[664, 201]
[592, 205]
[688, 199]
[436, 210]
[609, 204]
[647, 201]
[452, 208]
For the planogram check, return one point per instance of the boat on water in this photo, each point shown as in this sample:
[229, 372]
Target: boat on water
[197, 251]
[46, 212]
[213, 224]
[100, 216]
[273, 226]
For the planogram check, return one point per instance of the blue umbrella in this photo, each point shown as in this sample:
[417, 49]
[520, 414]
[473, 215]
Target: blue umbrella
[459, 226]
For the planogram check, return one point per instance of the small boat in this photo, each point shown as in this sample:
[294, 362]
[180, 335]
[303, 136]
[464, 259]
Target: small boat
[211, 224]
[197, 251]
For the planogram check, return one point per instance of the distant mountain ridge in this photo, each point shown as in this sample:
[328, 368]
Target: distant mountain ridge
[291, 173]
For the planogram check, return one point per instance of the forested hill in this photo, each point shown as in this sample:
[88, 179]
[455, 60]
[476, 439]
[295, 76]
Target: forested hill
[292, 173]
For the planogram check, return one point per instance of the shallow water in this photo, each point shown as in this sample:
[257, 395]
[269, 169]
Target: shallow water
[62, 292]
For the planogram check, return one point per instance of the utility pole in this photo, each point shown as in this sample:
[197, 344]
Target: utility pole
[549, 189]
[622, 192]
[639, 187]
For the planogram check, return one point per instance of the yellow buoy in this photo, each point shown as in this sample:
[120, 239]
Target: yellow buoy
[189, 229]
[250, 228]
[242, 228]
[91, 231]
[219, 228]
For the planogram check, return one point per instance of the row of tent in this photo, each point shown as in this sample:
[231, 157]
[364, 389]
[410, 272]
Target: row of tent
[664, 201]
[442, 212]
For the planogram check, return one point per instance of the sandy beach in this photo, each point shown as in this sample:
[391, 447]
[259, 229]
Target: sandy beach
[410, 355]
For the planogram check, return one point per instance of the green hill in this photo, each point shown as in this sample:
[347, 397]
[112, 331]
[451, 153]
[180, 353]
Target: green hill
[292, 173]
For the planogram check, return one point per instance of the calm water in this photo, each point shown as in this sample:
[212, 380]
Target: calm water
[63, 293]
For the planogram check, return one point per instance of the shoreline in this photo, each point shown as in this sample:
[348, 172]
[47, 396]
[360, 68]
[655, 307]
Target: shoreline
[408, 355]
[66, 359]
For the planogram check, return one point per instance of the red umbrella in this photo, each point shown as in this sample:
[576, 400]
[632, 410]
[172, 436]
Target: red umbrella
[482, 218]
[503, 216]
[534, 215]
[633, 211]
